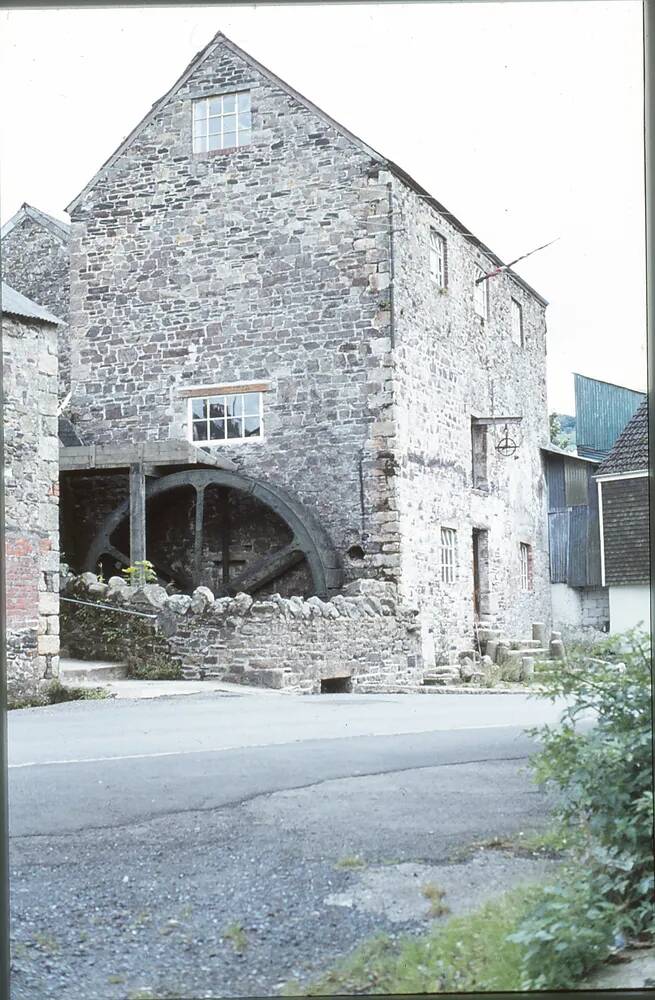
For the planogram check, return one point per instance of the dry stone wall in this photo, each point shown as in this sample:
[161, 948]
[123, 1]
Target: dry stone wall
[361, 639]
[31, 497]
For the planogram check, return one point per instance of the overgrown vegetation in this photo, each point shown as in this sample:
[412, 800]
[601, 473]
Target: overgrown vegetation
[55, 693]
[471, 953]
[155, 668]
[604, 899]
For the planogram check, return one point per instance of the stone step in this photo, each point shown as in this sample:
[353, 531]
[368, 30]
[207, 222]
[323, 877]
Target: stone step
[439, 680]
[71, 671]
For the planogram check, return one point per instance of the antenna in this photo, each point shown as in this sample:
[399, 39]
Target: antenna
[506, 267]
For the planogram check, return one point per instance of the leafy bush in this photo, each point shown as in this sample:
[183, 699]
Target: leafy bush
[55, 693]
[604, 778]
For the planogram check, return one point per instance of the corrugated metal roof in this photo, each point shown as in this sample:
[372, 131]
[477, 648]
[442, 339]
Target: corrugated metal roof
[630, 452]
[15, 304]
[602, 410]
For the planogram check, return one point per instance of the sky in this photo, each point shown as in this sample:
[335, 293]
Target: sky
[524, 119]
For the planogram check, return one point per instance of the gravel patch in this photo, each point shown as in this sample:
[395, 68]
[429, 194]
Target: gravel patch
[239, 900]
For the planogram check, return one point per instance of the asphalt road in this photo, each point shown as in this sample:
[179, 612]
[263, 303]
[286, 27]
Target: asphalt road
[144, 832]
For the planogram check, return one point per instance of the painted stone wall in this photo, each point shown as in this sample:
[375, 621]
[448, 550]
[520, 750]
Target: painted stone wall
[36, 262]
[451, 366]
[580, 607]
[31, 499]
[360, 641]
[266, 263]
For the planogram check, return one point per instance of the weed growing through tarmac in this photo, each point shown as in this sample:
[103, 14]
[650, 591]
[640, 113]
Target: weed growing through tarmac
[236, 935]
[350, 863]
[435, 895]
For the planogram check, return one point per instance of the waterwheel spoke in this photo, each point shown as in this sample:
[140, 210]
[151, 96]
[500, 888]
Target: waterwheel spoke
[268, 568]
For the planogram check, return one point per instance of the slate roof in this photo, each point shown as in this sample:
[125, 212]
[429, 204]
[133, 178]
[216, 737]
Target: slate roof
[630, 450]
[377, 158]
[68, 435]
[14, 304]
[55, 226]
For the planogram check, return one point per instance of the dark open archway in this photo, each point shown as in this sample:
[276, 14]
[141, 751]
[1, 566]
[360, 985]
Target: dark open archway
[309, 540]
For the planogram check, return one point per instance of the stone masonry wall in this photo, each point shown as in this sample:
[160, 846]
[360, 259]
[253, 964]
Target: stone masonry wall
[452, 366]
[266, 263]
[362, 638]
[31, 499]
[36, 263]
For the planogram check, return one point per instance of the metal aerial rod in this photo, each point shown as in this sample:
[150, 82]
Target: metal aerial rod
[506, 267]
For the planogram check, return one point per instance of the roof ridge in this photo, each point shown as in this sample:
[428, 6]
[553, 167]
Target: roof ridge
[55, 226]
[383, 161]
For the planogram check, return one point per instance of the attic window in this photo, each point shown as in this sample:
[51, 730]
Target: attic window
[221, 122]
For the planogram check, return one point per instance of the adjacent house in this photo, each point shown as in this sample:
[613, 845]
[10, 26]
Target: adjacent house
[31, 491]
[602, 410]
[36, 262]
[622, 480]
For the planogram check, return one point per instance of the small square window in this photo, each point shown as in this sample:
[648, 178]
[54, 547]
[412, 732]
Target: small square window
[525, 552]
[448, 555]
[481, 293]
[222, 122]
[438, 270]
[234, 416]
[517, 323]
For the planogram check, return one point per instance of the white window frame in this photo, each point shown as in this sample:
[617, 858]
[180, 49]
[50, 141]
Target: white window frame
[525, 562]
[517, 327]
[214, 392]
[448, 555]
[201, 116]
[437, 257]
[481, 294]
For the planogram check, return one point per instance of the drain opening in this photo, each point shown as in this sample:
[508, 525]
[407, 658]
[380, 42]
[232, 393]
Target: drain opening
[336, 685]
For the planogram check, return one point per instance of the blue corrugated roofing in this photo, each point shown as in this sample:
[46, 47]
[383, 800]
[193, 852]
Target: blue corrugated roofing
[15, 304]
[602, 410]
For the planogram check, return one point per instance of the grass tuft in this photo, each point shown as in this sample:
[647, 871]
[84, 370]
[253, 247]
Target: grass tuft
[236, 935]
[350, 863]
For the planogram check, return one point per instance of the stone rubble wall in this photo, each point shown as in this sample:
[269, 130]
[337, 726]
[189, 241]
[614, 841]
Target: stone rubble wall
[37, 263]
[268, 263]
[450, 366]
[31, 497]
[360, 636]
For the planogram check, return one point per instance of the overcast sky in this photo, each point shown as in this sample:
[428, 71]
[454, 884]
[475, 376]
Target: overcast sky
[524, 119]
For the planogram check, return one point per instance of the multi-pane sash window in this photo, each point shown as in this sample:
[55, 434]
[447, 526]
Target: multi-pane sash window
[448, 552]
[517, 323]
[438, 258]
[233, 417]
[221, 122]
[480, 294]
[526, 566]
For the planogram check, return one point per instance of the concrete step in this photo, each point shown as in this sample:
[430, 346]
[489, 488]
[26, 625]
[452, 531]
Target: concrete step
[71, 671]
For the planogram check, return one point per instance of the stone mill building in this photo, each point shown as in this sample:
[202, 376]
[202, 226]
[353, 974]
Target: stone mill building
[296, 369]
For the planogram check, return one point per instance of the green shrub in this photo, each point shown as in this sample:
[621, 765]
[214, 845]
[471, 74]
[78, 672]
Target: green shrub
[604, 780]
